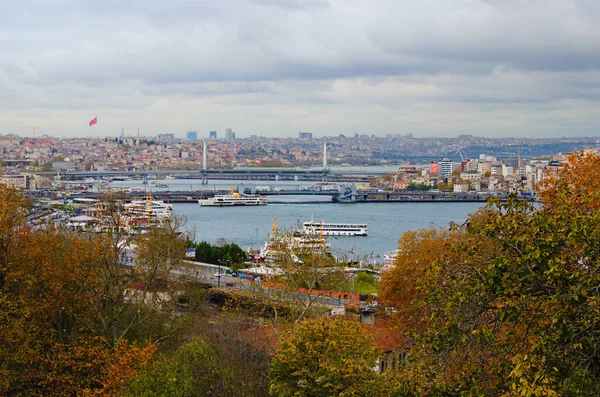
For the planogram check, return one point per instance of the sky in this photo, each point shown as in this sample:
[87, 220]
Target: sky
[492, 68]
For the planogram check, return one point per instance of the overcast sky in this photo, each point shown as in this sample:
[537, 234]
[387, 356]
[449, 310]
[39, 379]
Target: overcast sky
[276, 67]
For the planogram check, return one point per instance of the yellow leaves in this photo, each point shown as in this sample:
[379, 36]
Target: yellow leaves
[327, 356]
[575, 185]
[528, 378]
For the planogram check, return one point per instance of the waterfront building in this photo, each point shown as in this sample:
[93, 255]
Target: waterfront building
[470, 176]
[484, 167]
[461, 187]
[446, 167]
[401, 184]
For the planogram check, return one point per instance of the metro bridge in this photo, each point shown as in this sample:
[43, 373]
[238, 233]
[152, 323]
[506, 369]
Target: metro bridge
[324, 174]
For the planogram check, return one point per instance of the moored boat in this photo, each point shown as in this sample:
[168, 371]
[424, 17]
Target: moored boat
[232, 199]
[155, 210]
[334, 229]
[293, 245]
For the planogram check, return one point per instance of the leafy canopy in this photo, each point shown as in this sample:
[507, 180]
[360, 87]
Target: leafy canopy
[507, 303]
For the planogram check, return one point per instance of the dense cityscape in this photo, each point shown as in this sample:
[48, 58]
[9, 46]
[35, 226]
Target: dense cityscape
[476, 163]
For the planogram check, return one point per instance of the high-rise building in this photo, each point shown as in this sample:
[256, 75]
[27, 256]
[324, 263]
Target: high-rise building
[305, 135]
[446, 167]
[229, 134]
[213, 135]
[191, 135]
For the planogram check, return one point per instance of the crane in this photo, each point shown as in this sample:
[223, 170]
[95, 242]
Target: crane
[462, 154]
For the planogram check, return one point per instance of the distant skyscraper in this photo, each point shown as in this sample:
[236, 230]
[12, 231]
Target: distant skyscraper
[305, 135]
[229, 134]
[213, 135]
[191, 135]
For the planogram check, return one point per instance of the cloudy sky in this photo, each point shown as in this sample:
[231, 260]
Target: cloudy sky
[276, 67]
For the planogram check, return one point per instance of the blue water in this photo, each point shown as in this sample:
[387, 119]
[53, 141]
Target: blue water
[249, 227]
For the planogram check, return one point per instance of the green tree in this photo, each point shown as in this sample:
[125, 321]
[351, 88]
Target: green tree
[205, 367]
[326, 357]
[194, 370]
[232, 254]
[205, 253]
[507, 303]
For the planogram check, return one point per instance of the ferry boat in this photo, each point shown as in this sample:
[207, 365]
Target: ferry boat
[333, 229]
[155, 210]
[280, 246]
[231, 199]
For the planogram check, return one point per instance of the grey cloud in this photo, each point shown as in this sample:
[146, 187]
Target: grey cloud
[380, 55]
[529, 35]
[294, 4]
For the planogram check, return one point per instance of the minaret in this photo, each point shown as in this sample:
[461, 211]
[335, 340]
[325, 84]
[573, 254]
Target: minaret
[204, 162]
[325, 155]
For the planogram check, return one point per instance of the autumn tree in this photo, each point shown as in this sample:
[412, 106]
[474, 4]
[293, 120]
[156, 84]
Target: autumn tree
[216, 362]
[65, 328]
[46, 346]
[327, 357]
[507, 303]
[12, 218]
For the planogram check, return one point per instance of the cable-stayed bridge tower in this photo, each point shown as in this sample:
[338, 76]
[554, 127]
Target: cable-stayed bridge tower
[325, 168]
[204, 164]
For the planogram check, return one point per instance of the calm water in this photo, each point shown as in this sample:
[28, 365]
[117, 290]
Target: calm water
[249, 227]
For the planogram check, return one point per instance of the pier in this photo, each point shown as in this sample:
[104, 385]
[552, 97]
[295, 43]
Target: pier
[354, 196]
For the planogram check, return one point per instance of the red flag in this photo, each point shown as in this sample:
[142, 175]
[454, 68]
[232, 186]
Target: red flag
[93, 121]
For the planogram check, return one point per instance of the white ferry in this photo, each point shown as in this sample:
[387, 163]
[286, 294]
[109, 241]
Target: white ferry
[334, 229]
[232, 199]
[152, 209]
[280, 246]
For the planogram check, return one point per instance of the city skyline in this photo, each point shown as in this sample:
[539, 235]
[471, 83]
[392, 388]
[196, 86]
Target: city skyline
[273, 68]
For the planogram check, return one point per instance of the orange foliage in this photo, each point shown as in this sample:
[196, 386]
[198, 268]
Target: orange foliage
[575, 185]
[48, 296]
